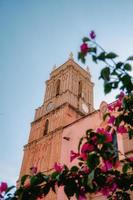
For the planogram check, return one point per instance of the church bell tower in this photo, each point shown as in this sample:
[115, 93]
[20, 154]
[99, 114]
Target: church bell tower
[68, 97]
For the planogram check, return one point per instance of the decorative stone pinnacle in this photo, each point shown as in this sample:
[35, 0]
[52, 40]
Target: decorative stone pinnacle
[87, 69]
[54, 67]
[71, 56]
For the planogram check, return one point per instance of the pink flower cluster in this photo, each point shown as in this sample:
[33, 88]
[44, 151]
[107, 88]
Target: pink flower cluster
[82, 197]
[107, 190]
[58, 167]
[111, 119]
[117, 104]
[3, 188]
[92, 35]
[86, 147]
[84, 48]
[131, 159]
[33, 170]
[122, 129]
[108, 135]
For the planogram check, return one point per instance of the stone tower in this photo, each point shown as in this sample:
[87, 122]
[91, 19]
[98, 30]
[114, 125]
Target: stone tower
[68, 97]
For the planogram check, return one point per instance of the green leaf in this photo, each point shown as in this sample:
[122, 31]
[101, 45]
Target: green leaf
[81, 57]
[74, 169]
[70, 187]
[9, 188]
[105, 73]
[107, 87]
[127, 67]
[34, 180]
[115, 84]
[90, 179]
[130, 58]
[111, 55]
[86, 39]
[101, 138]
[94, 58]
[118, 65]
[88, 132]
[118, 120]
[101, 56]
[46, 178]
[127, 83]
[93, 49]
[23, 179]
[125, 167]
[92, 161]
[54, 175]
[130, 133]
[46, 189]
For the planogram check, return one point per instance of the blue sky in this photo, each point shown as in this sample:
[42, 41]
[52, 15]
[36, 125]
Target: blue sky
[34, 36]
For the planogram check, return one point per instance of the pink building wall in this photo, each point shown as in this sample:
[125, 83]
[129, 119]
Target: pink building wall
[70, 139]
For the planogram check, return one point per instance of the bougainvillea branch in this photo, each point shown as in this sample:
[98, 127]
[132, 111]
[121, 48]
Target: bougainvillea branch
[99, 169]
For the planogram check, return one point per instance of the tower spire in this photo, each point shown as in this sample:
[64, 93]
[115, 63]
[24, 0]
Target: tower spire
[71, 56]
[54, 67]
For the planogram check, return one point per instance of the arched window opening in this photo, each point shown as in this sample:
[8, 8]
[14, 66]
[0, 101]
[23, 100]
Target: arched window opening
[80, 89]
[46, 127]
[58, 87]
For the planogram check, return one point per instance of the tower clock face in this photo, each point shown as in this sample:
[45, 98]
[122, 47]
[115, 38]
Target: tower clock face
[85, 108]
[50, 106]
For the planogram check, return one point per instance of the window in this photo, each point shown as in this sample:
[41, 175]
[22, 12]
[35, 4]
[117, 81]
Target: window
[80, 89]
[58, 87]
[46, 127]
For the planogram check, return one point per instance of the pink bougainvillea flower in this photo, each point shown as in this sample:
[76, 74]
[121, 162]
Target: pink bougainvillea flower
[83, 156]
[58, 167]
[92, 35]
[110, 179]
[40, 197]
[107, 165]
[3, 187]
[94, 140]
[87, 147]
[107, 134]
[121, 96]
[110, 107]
[111, 119]
[108, 137]
[73, 155]
[105, 191]
[85, 169]
[84, 48]
[122, 129]
[82, 196]
[101, 130]
[33, 170]
[114, 187]
[118, 104]
[131, 159]
[108, 189]
[117, 164]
